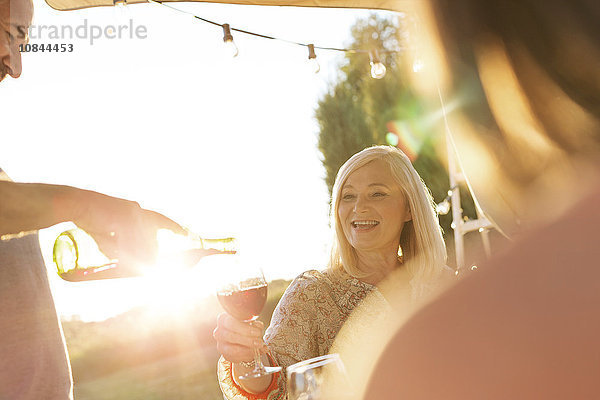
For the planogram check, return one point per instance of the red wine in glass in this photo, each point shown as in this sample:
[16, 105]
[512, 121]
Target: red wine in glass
[243, 294]
[244, 304]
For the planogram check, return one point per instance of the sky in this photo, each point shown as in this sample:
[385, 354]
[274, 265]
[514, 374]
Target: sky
[225, 146]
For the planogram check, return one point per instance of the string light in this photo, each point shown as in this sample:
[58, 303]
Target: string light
[377, 67]
[228, 39]
[444, 207]
[418, 64]
[312, 59]
[378, 70]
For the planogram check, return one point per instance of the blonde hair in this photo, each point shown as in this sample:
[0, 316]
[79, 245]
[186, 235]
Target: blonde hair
[421, 241]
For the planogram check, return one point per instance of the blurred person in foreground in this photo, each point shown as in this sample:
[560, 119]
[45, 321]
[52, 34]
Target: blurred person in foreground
[525, 325]
[384, 224]
[33, 359]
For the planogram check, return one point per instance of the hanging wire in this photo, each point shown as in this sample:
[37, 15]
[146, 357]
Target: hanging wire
[351, 51]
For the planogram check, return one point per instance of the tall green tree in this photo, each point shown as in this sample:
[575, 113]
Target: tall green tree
[353, 114]
[357, 111]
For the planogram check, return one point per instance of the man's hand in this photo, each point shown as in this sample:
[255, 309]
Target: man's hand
[122, 229]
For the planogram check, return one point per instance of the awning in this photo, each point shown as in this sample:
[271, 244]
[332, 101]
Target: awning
[391, 5]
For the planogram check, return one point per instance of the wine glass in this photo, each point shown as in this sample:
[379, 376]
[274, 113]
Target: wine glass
[318, 378]
[243, 294]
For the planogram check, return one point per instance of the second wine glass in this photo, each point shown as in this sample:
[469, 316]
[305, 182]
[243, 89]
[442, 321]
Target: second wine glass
[318, 378]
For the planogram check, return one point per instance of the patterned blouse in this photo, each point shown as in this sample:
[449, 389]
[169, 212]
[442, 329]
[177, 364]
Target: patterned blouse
[304, 325]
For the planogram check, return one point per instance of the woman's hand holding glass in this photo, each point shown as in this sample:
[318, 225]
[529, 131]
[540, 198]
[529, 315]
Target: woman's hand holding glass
[242, 292]
[236, 339]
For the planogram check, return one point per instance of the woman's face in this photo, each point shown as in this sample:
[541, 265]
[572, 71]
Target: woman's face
[372, 209]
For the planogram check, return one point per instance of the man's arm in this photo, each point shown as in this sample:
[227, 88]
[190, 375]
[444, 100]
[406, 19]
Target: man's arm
[31, 206]
[120, 227]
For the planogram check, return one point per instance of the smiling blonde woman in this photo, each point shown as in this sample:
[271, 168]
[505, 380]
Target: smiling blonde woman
[421, 238]
[384, 222]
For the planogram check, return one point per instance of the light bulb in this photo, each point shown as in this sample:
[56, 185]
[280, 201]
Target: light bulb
[444, 207]
[228, 40]
[312, 59]
[418, 65]
[232, 49]
[377, 67]
[313, 65]
[377, 70]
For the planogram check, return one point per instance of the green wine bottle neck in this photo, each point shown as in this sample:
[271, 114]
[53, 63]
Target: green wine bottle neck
[78, 258]
[227, 245]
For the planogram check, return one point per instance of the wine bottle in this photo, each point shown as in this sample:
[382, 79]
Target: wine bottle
[78, 258]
